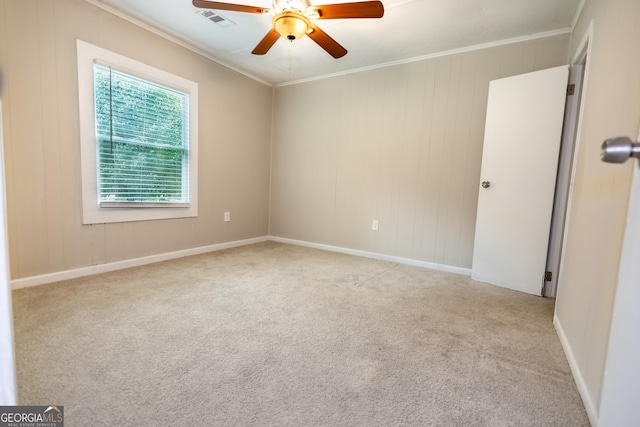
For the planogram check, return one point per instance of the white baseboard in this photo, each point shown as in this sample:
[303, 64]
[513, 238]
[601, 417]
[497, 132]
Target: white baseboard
[589, 405]
[119, 265]
[135, 262]
[399, 260]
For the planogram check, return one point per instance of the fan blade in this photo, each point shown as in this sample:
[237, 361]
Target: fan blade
[266, 43]
[364, 9]
[323, 39]
[229, 6]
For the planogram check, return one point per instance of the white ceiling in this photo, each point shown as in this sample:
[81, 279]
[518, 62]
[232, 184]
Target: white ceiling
[409, 29]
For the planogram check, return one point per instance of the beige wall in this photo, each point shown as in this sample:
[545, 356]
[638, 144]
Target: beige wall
[599, 204]
[42, 147]
[401, 144]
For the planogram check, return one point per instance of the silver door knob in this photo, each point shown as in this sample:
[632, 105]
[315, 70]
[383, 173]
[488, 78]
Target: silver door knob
[618, 150]
[486, 184]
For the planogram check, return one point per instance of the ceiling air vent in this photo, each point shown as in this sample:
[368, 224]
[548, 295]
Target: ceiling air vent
[216, 18]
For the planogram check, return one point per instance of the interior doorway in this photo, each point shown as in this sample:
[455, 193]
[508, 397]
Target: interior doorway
[565, 176]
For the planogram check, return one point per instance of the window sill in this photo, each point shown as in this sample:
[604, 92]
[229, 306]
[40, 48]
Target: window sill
[135, 205]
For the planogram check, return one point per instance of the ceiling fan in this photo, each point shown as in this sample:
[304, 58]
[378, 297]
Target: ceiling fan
[292, 19]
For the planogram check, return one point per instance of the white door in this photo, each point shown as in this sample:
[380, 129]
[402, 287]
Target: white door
[620, 405]
[519, 164]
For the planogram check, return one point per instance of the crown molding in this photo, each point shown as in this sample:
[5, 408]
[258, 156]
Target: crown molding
[472, 48]
[167, 36]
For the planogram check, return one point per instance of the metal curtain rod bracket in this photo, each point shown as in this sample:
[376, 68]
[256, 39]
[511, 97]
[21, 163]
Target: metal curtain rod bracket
[619, 149]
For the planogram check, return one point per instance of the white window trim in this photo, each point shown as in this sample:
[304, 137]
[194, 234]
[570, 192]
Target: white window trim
[92, 213]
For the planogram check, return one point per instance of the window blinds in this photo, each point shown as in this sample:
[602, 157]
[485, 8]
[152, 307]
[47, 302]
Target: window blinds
[142, 136]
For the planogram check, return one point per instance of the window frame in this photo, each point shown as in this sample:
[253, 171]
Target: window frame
[92, 212]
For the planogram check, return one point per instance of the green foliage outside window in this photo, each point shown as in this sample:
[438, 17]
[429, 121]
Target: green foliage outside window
[142, 136]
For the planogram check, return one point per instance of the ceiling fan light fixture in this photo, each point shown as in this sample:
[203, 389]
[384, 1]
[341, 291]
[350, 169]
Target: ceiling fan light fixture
[291, 25]
[280, 6]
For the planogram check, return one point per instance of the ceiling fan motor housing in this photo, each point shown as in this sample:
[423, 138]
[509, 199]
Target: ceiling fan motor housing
[291, 25]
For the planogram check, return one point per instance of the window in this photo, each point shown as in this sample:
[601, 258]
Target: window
[138, 139]
[142, 132]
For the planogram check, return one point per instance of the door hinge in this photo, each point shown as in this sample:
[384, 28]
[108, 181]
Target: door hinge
[571, 89]
[547, 276]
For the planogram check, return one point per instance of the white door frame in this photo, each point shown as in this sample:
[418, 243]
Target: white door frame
[581, 57]
[563, 176]
[8, 395]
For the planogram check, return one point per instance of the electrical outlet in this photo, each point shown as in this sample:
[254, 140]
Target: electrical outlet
[227, 216]
[374, 225]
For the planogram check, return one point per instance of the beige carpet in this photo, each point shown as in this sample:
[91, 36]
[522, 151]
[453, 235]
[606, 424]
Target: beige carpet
[273, 334]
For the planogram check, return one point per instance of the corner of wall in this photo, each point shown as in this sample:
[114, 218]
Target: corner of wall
[271, 138]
